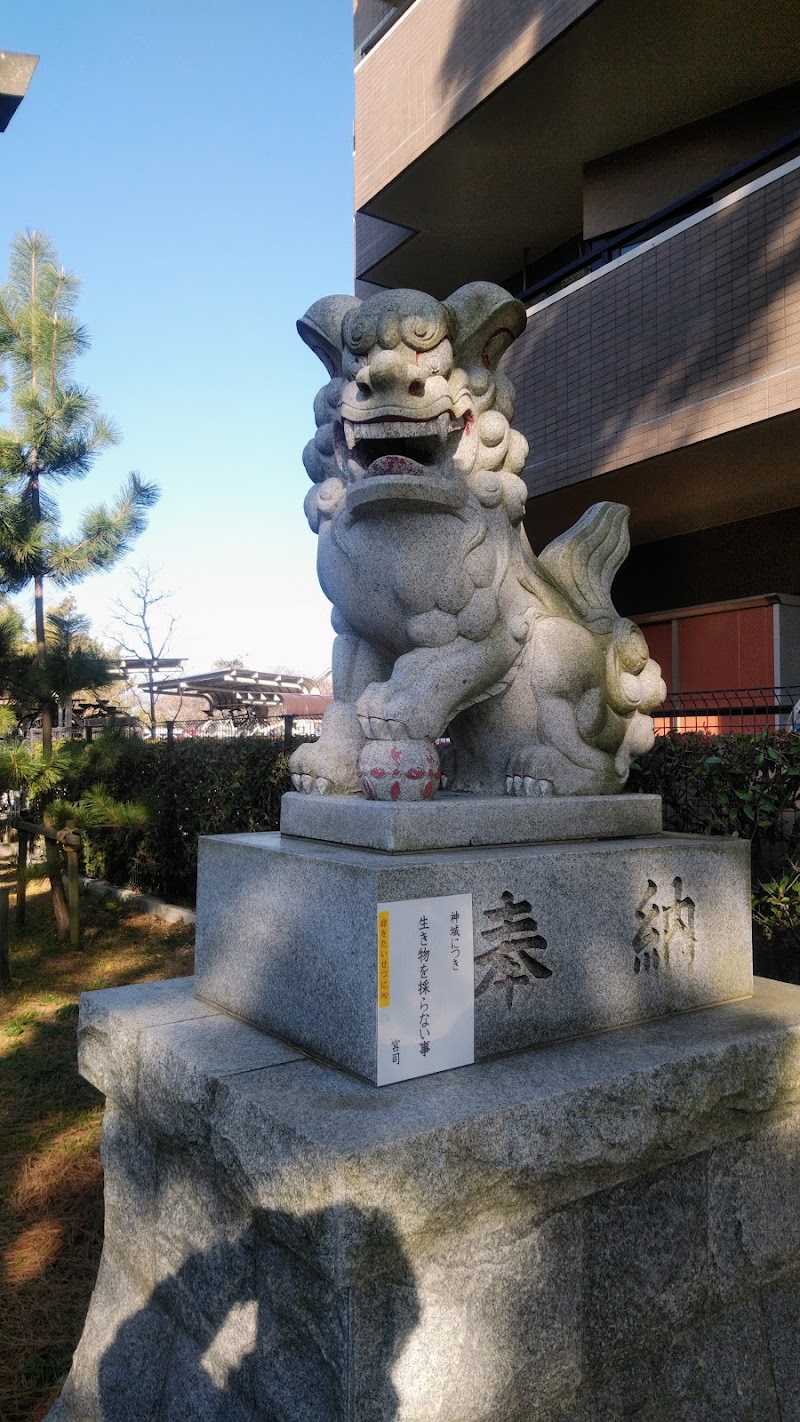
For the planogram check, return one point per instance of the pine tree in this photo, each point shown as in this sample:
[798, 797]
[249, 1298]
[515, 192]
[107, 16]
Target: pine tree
[55, 432]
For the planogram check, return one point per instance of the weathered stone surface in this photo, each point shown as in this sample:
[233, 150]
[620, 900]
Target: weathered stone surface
[754, 1232]
[646, 1262]
[194, 1393]
[623, 930]
[178, 1062]
[718, 1369]
[527, 1133]
[148, 1003]
[782, 1313]
[121, 1362]
[525, 1240]
[303, 1343]
[512, 1293]
[446, 621]
[203, 1246]
[131, 1183]
[455, 821]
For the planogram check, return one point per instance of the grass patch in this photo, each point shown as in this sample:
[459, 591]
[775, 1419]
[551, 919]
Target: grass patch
[51, 1207]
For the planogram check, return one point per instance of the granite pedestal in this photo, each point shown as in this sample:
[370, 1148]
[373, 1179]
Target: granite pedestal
[604, 1229]
[566, 935]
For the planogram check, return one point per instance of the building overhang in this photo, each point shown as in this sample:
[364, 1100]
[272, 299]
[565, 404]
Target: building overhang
[505, 184]
[738, 475]
[16, 71]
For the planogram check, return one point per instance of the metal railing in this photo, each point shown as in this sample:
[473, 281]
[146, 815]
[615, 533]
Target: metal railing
[599, 254]
[732, 710]
[742, 711]
[199, 728]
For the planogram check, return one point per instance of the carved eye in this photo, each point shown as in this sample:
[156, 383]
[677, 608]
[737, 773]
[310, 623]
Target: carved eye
[351, 364]
[359, 332]
[423, 330]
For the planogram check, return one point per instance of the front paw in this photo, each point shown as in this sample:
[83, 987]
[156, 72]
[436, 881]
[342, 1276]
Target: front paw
[384, 714]
[324, 769]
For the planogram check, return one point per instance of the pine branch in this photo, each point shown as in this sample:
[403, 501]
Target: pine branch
[105, 534]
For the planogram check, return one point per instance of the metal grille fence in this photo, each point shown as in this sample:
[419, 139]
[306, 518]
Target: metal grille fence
[742, 711]
[731, 711]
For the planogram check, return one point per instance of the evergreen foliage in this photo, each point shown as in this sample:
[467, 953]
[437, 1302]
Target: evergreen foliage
[193, 788]
[55, 431]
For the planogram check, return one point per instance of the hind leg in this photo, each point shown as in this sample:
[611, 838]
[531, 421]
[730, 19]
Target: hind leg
[533, 770]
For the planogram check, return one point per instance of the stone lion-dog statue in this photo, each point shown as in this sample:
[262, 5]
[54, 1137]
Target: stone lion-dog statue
[446, 621]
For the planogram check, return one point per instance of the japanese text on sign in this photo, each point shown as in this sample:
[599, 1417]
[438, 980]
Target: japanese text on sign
[426, 1014]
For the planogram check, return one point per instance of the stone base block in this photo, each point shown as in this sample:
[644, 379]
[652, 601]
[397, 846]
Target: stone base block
[558, 939]
[456, 821]
[603, 1229]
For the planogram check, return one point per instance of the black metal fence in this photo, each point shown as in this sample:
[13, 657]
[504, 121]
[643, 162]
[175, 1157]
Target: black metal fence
[749, 711]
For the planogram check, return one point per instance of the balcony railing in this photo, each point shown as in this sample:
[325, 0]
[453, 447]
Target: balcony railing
[594, 256]
[399, 8]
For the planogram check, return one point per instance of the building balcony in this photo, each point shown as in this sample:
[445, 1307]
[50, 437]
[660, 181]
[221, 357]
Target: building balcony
[489, 134]
[669, 379]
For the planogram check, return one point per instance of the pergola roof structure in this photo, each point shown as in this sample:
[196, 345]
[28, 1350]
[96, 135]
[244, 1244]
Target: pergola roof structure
[240, 692]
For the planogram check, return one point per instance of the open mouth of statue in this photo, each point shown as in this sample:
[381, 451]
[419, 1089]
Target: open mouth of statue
[398, 444]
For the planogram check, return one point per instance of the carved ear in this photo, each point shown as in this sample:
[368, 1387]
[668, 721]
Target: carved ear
[321, 329]
[484, 321]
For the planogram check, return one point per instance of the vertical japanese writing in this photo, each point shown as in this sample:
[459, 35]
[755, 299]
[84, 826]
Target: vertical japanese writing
[425, 967]
[424, 986]
[455, 939]
[383, 958]
[663, 927]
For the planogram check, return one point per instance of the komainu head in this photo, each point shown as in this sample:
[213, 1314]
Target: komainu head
[416, 409]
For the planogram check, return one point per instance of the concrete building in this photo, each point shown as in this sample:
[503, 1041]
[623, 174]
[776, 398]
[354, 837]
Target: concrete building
[631, 170]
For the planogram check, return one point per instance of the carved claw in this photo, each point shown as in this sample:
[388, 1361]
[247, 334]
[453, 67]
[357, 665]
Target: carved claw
[529, 786]
[383, 728]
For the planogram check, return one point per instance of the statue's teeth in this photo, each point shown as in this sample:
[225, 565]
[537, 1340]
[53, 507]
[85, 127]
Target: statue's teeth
[349, 434]
[443, 427]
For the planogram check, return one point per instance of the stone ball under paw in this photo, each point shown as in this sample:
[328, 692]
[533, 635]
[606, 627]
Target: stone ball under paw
[399, 770]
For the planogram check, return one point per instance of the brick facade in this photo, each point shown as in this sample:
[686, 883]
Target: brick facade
[431, 73]
[688, 338]
[367, 15]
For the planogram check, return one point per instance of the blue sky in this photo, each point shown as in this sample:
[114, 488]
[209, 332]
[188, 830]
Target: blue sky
[191, 160]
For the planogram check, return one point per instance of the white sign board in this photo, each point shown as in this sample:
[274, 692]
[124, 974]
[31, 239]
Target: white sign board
[426, 993]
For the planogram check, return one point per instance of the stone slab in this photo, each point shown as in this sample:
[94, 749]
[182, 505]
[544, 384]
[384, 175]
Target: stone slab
[530, 1239]
[456, 821]
[623, 930]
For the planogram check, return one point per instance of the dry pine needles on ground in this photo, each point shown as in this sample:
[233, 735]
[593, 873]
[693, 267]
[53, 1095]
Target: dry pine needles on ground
[51, 1217]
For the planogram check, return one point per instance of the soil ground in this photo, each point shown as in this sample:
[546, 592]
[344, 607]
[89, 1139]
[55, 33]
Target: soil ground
[51, 1203]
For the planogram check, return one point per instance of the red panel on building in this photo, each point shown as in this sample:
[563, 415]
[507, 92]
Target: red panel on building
[720, 650]
[659, 640]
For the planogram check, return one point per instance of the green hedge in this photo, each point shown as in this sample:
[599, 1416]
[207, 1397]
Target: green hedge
[191, 788]
[741, 785]
[746, 786]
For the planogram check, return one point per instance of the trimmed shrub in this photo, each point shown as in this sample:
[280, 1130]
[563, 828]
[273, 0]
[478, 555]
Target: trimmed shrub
[192, 788]
[746, 786]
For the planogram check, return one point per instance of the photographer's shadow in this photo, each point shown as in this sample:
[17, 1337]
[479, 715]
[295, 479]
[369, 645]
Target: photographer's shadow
[250, 1331]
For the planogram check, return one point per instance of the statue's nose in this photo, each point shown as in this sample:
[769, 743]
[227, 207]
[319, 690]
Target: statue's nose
[387, 370]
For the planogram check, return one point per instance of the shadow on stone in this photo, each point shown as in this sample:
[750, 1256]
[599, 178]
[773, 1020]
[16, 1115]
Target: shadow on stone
[246, 1330]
